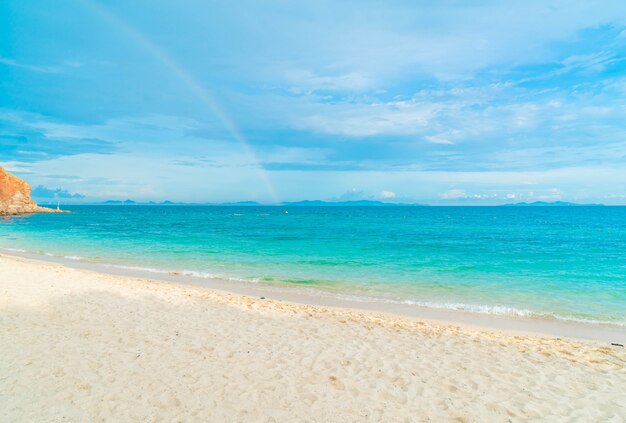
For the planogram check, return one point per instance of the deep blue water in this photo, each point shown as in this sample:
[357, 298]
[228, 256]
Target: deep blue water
[564, 262]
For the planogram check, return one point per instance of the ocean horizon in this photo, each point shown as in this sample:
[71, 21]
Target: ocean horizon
[566, 263]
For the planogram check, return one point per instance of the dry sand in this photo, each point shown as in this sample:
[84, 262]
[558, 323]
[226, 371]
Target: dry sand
[79, 346]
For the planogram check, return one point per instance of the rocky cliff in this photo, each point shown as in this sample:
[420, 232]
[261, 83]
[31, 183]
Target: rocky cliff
[15, 196]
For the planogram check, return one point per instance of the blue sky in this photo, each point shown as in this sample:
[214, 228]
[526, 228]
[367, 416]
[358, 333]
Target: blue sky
[450, 102]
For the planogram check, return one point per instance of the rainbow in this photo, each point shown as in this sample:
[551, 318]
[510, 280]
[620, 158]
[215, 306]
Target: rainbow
[191, 83]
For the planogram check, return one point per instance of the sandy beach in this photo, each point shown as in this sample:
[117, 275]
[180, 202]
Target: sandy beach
[79, 346]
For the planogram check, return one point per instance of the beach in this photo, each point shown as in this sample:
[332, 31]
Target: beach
[77, 345]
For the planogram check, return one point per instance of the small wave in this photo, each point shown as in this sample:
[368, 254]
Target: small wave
[191, 273]
[73, 257]
[138, 268]
[207, 275]
[196, 274]
[472, 308]
[15, 250]
[188, 273]
[482, 309]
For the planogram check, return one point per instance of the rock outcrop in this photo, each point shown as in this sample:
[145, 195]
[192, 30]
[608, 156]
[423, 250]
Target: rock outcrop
[15, 196]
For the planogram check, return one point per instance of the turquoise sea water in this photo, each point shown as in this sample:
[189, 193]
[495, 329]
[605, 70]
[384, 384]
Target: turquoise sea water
[562, 262]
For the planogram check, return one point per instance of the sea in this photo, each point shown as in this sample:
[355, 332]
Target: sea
[564, 263]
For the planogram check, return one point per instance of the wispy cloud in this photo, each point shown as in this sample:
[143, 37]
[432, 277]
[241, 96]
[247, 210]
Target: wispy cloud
[370, 119]
[300, 81]
[34, 68]
[459, 194]
[23, 137]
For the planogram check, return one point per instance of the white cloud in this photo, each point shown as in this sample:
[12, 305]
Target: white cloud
[440, 39]
[362, 120]
[548, 194]
[387, 195]
[438, 139]
[453, 194]
[302, 81]
[459, 194]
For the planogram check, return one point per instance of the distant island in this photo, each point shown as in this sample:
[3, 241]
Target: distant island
[549, 204]
[354, 203]
[122, 203]
[304, 203]
[322, 203]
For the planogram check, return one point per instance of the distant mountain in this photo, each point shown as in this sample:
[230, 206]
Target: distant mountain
[134, 203]
[305, 203]
[548, 204]
[241, 203]
[355, 203]
[118, 203]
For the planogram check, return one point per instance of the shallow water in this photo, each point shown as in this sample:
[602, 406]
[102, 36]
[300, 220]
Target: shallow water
[563, 262]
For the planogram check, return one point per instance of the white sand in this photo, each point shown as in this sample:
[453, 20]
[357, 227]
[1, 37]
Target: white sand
[78, 346]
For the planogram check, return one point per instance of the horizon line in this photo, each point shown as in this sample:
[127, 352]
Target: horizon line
[322, 203]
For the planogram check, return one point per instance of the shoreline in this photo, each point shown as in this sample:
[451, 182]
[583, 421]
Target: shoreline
[78, 345]
[521, 325]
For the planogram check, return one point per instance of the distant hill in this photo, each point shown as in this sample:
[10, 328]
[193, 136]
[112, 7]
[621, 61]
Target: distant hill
[305, 203]
[241, 203]
[548, 204]
[118, 203]
[135, 203]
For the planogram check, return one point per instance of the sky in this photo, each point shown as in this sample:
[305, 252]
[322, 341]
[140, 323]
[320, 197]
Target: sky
[450, 102]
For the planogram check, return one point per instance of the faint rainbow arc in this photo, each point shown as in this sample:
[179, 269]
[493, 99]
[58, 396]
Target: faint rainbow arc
[192, 84]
